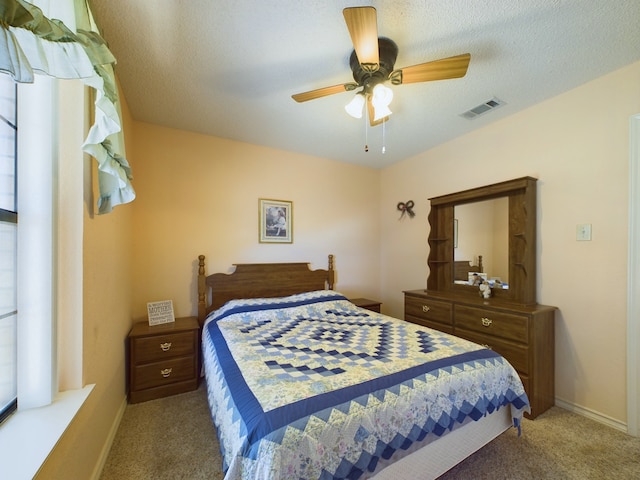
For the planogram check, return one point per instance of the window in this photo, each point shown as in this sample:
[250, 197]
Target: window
[50, 196]
[8, 247]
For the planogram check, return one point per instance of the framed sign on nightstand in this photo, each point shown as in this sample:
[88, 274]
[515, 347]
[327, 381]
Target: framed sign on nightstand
[160, 312]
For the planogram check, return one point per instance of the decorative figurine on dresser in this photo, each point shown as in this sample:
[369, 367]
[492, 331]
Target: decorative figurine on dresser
[493, 302]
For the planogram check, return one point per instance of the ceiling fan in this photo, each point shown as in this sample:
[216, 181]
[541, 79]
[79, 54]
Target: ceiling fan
[372, 63]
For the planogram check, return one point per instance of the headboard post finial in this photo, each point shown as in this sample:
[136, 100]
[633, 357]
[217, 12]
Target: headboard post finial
[331, 273]
[202, 291]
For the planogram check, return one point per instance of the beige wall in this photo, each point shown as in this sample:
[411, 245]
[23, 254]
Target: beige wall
[107, 277]
[577, 145]
[199, 195]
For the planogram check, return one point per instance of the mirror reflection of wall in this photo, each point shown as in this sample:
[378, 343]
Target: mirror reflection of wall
[483, 229]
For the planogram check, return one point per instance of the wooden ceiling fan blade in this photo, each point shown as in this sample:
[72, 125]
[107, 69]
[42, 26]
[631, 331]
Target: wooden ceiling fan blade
[323, 92]
[363, 28]
[443, 69]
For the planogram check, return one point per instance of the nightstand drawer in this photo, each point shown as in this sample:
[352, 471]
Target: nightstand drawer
[158, 347]
[491, 322]
[516, 355]
[427, 309]
[163, 373]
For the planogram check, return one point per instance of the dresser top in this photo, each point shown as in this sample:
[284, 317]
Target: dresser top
[478, 301]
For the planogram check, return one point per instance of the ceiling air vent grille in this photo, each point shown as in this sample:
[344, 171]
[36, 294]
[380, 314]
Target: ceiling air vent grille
[483, 108]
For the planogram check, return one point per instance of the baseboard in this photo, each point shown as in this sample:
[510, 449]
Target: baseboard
[593, 415]
[104, 454]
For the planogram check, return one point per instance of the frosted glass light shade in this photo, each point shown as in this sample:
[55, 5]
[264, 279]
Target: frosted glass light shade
[381, 112]
[355, 106]
[381, 96]
[380, 99]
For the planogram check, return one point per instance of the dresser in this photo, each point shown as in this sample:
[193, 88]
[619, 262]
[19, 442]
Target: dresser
[524, 335]
[163, 359]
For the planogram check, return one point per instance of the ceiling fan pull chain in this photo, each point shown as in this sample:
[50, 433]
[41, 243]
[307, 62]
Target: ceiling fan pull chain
[384, 141]
[366, 133]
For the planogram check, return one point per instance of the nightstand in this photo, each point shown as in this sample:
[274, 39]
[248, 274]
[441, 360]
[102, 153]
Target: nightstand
[372, 305]
[163, 359]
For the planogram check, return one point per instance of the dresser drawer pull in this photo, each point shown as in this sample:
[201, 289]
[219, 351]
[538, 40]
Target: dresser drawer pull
[486, 322]
[166, 372]
[165, 346]
[425, 308]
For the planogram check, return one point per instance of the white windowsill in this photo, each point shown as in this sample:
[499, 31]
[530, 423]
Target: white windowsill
[28, 436]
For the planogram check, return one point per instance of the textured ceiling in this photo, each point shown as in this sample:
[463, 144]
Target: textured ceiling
[228, 68]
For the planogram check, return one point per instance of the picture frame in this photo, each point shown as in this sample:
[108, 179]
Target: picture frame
[275, 221]
[160, 312]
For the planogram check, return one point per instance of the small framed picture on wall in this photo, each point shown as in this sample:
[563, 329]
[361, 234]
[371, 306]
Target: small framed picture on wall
[275, 221]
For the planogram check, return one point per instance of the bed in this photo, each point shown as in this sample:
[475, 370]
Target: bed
[301, 383]
[462, 269]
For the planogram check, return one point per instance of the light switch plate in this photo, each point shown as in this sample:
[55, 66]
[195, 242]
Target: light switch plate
[583, 232]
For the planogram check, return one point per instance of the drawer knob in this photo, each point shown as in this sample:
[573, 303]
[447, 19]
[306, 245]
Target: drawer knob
[425, 308]
[166, 372]
[486, 322]
[165, 346]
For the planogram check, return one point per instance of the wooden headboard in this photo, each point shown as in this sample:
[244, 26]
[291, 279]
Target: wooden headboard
[463, 267]
[258, 280]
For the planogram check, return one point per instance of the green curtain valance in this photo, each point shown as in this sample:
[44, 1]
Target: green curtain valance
[33, 40]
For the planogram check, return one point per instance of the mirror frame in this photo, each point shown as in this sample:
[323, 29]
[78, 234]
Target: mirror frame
[522, 196]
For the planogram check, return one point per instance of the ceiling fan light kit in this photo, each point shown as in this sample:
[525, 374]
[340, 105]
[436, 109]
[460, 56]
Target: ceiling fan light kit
[381, 113]
[381, 99]
[372, 64]
[356, 105]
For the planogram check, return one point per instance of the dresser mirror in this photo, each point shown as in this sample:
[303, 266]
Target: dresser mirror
[482, 230]
[489, 231]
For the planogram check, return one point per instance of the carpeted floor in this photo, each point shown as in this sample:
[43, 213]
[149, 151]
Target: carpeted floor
[173, 438]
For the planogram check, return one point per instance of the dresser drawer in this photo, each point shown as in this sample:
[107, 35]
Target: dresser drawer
[427, 309]
[157, 347]
[442, 327]
[163, 373]
[494, 323]
[516, 355]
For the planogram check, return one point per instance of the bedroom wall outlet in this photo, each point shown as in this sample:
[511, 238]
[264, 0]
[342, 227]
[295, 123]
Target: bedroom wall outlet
[583, 232]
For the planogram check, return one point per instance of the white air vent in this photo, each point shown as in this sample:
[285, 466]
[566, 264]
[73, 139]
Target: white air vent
[483, 108]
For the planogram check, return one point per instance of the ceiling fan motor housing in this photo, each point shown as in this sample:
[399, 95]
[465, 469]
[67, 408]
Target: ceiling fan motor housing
[388, 52]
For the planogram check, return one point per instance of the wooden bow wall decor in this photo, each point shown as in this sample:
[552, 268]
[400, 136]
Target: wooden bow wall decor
[406, 208]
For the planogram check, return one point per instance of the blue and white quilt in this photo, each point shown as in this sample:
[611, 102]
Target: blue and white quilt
[311, 386]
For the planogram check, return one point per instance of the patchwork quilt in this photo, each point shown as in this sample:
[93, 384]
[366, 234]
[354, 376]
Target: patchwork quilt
[311, 386]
